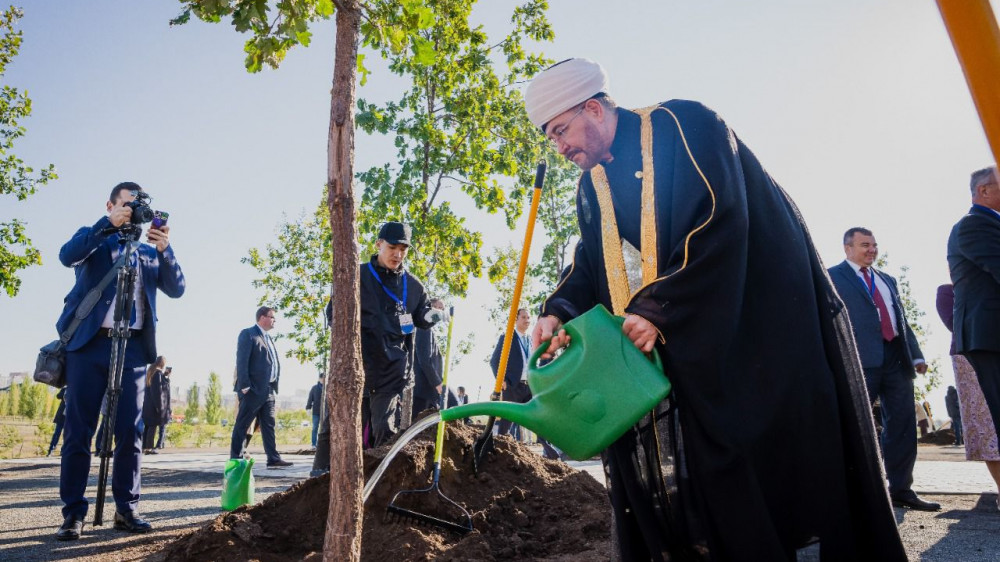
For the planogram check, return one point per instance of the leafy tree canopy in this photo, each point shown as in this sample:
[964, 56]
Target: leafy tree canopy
[295, 275]
[16, 178]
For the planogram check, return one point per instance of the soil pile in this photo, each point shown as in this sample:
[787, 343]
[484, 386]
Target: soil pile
[944, 436]
[523, 507]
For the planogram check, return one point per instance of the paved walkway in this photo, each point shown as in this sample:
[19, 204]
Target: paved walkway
[181, 491]
[945, 470]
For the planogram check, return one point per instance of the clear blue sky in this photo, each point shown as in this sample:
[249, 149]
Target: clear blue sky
[858, 109]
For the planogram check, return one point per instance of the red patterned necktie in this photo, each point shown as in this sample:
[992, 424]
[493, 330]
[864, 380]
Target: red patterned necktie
[883, 311]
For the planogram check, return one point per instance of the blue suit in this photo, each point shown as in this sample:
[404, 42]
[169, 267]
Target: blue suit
[517, 387]
[91, 253]
[888, 368]
[254, 365]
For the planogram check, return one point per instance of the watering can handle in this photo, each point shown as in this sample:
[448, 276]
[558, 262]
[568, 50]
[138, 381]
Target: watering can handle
[653, 356]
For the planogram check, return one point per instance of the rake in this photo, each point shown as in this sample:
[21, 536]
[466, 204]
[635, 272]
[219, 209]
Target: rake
[432, 494]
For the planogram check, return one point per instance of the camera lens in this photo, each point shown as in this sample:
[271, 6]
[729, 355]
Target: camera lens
[141, 213]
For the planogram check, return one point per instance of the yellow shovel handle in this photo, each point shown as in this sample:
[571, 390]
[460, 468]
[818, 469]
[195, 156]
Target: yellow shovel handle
[974, 34]
[536, 196]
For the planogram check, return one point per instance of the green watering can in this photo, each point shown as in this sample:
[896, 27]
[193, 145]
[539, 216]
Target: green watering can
[237, 484]
[590, 395]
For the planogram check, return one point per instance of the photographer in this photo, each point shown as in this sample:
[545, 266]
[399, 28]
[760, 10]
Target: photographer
[92, 252]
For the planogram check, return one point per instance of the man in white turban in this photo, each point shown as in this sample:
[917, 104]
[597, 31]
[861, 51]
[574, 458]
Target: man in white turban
[766, 444]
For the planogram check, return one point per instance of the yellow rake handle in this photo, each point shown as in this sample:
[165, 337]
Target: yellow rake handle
[439, 438]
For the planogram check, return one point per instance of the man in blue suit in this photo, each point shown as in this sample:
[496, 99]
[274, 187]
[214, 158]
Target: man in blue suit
[92, 251]
[515, 382]
[257, 374]
[974, 262]
[889, 356]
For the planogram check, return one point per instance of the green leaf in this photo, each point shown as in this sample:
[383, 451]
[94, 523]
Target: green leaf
[423, 51]
[363, 72]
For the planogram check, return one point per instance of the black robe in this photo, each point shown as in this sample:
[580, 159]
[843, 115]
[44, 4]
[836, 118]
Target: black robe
[766, 442]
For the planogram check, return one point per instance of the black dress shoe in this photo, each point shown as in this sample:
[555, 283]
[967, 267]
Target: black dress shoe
[71, 528]
[280, 463]
[911, 501]
[129, 522]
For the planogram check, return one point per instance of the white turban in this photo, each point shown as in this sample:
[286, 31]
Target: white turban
[560, 87]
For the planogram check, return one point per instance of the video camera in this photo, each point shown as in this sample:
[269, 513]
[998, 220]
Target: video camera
[141, 211]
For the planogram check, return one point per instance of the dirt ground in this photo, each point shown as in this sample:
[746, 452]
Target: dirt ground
[522, 507]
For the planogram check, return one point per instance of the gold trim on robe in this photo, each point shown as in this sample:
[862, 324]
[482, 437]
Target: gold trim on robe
[611, 241]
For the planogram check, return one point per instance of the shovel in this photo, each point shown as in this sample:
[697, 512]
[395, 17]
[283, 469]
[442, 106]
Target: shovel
[484, 443]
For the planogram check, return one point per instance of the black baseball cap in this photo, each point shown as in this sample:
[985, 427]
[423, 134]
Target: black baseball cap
[395, 233]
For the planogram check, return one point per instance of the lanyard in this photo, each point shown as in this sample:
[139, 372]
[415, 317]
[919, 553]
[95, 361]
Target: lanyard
[400, 301]
[871, 288]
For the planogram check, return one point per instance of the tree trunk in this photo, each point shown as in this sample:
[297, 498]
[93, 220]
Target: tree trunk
[343, 524]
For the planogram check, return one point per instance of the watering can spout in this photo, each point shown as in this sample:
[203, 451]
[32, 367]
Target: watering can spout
[521, 414]
[590, 395]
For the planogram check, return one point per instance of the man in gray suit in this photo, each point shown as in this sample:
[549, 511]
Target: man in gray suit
[889, 355]
[257, 374]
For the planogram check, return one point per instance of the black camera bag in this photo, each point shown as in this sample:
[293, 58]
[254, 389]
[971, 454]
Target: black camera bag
[50, 367]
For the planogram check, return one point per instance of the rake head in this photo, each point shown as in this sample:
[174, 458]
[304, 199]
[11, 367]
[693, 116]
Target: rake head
[461, 524]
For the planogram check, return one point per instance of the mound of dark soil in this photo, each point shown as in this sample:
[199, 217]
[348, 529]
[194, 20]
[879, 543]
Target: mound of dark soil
[523, 507]
[940, 437]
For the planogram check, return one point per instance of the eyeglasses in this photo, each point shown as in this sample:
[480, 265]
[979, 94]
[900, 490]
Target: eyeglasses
[557, 134]
[271, 317]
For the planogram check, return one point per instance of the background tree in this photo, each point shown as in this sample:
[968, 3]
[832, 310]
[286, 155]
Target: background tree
[213, 399]
[193, 405]
[295, 276]
[14, 400]
[31, 399]
[557, 219]
[460, 130]
[275, 28]
[16, 178]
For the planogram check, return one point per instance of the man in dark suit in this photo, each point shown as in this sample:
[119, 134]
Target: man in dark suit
[515, 383]
[889, 355]
[315, 403]
[428, 367]
[92, 252]
[974, 262]
[257, 374]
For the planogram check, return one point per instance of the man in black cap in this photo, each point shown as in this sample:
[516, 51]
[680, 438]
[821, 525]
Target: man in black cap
[393, 304]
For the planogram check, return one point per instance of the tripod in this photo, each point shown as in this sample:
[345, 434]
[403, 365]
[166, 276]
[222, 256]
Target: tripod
[120, 333]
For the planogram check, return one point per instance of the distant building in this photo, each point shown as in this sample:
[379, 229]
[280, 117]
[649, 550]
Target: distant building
[16, 378]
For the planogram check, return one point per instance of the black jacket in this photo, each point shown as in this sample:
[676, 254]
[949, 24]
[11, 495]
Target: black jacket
[951, 403]
[156, 401]
[428, 367]
[515, 391]
[386, 352]
[315, 398]
[974, 262]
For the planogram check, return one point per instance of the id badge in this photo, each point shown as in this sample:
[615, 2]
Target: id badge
[406, 324]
